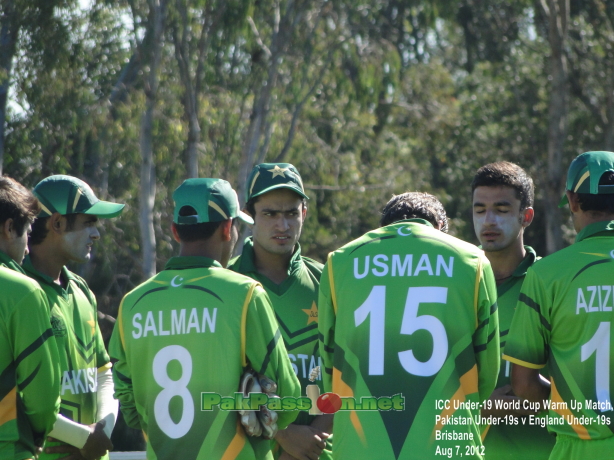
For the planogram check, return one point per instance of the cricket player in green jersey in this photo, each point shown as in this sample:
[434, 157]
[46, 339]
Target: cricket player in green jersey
[563, 318]
[64, 233]
[193, 328]
[502, 208]
[29, 376]
[278, 204]
[408, 311]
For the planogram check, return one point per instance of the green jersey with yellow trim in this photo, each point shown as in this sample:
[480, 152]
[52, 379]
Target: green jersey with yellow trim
[29, 376]
[80, 345]
[562, 321]
[192, 328]
[407, 311]
[295, 305]
[507, 440]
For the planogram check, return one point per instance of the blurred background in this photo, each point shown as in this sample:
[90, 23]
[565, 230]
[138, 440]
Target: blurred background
[366, 99]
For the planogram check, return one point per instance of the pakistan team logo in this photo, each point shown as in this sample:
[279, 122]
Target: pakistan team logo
[58, 326]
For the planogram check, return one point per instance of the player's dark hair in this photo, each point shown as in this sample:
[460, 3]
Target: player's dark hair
[507, 174]
[40, 230]
[603, 202]
[17, 203]
[194, 232]
[415, 205]
[250, 206]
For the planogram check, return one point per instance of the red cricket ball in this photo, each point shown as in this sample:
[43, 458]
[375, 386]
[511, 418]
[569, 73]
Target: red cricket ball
[329, 403]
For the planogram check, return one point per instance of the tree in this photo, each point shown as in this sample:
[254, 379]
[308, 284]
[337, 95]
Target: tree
[557, 14]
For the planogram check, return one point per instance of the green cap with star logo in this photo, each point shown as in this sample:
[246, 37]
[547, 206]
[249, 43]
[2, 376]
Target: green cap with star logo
[213, 200]
[271, 176]
[585, 172]
[69, 195]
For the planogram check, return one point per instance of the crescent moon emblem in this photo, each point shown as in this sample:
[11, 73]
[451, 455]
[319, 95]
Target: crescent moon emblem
[173, 281]
[612, 253]
[400, 231]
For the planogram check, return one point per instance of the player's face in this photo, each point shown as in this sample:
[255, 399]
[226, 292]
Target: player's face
[278, 221]
[497, 218]
[18, 246]
[76, 244]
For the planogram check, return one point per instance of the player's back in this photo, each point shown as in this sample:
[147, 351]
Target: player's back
[29, 387]
[183, 333]
[413, 317]
[573, 292]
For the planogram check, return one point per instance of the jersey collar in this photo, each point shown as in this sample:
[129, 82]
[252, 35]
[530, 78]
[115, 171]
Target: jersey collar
[186, 262]
[42, 278]
[5, 259]
[248, 265]
[529, 259]
[594, 229]
[416, 220]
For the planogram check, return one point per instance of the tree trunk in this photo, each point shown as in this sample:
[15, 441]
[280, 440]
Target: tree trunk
[262, 99]
[148, 173]
[190, 98]
[9, 28]
[148, 193]
[557, 12]
[609, 128]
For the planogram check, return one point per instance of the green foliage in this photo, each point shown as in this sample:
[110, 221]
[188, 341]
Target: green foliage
[371, 99]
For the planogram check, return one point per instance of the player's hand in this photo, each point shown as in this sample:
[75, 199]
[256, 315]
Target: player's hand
[505, 397]
[303, 442]
[97, 443]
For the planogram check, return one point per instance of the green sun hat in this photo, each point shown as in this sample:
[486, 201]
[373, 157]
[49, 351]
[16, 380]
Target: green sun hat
[271, 176]
[69, 195]
[585, 172]
[213, 200]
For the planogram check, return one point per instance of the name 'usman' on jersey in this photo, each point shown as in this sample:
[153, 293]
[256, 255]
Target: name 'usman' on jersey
[403, 265]
[174, 322]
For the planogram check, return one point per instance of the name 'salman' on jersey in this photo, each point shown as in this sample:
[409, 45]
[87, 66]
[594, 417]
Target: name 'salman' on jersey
[199, 322]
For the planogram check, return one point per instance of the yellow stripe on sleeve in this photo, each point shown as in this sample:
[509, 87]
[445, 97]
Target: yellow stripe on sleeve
[105, 367]
[331, 281]
[120, 323]
[476, 291]
[248, 299]
[523, 363]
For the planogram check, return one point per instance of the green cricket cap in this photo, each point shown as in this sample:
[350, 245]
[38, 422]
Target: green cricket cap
[585, 172]
[213, 200]
[271, 176]
[69, 195]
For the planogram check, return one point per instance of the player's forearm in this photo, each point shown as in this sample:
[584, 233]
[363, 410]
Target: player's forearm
[70, 432]
[323, 423]
[107, 405]
[529, 384]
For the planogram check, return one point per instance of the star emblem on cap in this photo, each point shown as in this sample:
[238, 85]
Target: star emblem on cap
[277, 171]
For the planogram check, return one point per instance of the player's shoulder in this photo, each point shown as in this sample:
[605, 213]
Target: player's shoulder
[405, 234]
[16, 284]
[313, 266]
[570, 261]
[82, 285]
[234, 263]
[80, 281]
[221, 277]
[230, 277]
